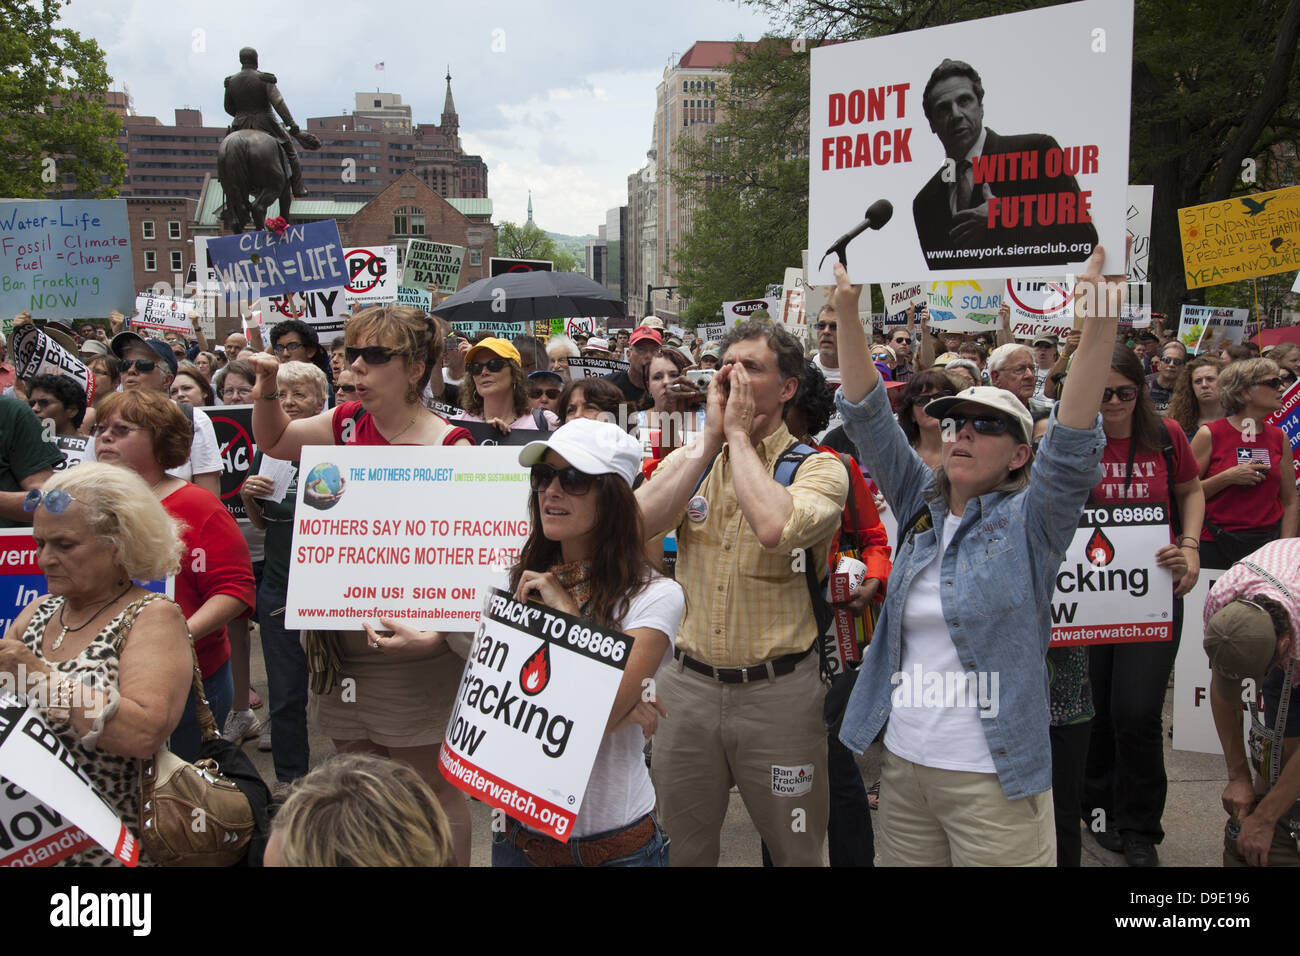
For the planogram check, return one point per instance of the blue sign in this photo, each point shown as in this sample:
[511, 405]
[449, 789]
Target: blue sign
[65, 259]
[252, 265]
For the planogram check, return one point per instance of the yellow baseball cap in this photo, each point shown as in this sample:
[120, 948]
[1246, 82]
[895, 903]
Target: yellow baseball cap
[499, 347]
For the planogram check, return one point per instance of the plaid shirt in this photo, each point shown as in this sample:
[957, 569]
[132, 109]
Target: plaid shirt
[745, 603]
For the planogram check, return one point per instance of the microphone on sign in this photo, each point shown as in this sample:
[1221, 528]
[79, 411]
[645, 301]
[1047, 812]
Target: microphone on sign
[881, 211]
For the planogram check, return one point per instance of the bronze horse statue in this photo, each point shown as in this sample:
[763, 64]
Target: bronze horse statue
[254, 172]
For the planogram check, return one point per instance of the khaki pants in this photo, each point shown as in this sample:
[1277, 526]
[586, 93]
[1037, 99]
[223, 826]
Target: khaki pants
[932, 817]
[767, 738]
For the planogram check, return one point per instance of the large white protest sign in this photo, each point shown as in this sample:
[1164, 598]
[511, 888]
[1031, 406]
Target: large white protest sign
[581, 368]
[35, 353]
[1040, 306]
[1108, 589]
[372, 275]
[407, 532]
[1039, 189]
[163, 313]
[1140, 201]
[711, 331]
[1193, 719]
[432, 263]
[530, 713]
[733, 312]
[325, 310]
[1204, 328]
[901, 296]
[34, 758]
[969, 306]
[793, 312]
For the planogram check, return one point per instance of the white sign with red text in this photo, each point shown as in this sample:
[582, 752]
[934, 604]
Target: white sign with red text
[530, 713]
[163, 313]
[372, 275]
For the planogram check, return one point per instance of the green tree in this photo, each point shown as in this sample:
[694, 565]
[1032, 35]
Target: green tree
[1215, 82]
[530, 242]
[52, 87]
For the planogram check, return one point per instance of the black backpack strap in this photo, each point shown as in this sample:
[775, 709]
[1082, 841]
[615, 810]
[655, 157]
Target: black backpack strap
[539, 419]
[1167, 449]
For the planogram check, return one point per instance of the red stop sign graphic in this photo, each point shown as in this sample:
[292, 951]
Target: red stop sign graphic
[363, 260]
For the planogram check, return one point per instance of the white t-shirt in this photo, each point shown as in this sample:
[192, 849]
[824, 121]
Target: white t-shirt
[205, 456]
[935, 719]
[832, 374]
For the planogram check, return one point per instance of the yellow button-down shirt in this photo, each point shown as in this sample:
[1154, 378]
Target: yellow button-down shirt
[745, 603]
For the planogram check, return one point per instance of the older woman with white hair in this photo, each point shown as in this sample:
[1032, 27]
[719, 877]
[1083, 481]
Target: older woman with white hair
[113, 660]
[559, 350]
[303, 393]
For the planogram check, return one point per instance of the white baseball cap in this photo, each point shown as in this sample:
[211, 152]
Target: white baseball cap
[593, 447]
[997, 399]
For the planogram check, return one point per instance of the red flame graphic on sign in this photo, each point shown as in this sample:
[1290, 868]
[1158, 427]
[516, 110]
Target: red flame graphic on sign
[1100, 551]
[536, 672]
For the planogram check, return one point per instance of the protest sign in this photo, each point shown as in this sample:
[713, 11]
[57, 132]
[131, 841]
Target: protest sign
[1040, 307]
[584, 324]
[233, 426]
[325, 310]
[733, 312]
[74, 450]
[499, 266]
[969, 306]
[1193, 720]
[254, 264]
[65, 259]
[432, 263]
[793, 312]
[1241, 238]
[485, 434]
[1287, 418]
[35, 353]
[501, 328]
[33, 758]
[420, 298]
[412, 533]
[32, 834]
[581, 368]
[372, 275]
[1108, 588]
[531, 710]
[163, 313]
[1140, 201]
[901, 296]
[816, 296]
[1295, 287]
[1204, 328]
[711, 331]
[1040, 189]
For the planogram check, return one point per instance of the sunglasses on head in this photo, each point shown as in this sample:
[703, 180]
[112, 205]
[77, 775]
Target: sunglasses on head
[1125, 393]
[492, 365]
[551, 393]
[1274, 382]
[56, 502]
[983, 424]
[143, 366]
[572, 481]
[373, 354]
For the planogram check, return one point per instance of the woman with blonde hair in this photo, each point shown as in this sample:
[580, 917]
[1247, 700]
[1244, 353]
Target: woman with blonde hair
[112, 659]
[360, 810]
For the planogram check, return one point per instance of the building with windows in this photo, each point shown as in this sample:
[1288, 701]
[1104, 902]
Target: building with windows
[160, 239]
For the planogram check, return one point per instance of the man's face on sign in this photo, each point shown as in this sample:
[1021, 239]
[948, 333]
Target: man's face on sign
[956, 115]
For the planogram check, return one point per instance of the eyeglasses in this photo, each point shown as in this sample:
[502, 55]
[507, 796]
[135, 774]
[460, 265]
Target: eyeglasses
[1273, 383]
[37, 403]
[1125, 393]
[1018, 369]
[551, 393]
[927, 398]
[475, 369]
[1175, 362]
[118, 431]
[56, 501]
[572, 481]
[284, 348]
[236, 391]
[879, 357]
[143, 366]
[823, 326]
[903, 341]
[373, 354]
[346, 389]
[983, 424]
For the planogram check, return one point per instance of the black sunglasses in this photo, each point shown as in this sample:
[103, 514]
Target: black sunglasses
[373, 354]
[143, 366]
[572, 481]
[983, 424]
[1126, 393]
[1175, 362]
[1274, 382]
[551, 393]
[475, 369]
[346, 389]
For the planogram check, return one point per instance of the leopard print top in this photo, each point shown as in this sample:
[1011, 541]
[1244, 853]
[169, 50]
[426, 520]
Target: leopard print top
[116, 778]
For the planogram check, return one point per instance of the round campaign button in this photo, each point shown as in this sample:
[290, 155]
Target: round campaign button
[697, 509]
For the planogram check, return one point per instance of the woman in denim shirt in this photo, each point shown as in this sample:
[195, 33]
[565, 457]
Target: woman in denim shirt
[958, 654]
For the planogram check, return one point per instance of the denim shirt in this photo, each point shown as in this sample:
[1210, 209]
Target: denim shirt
[997, 578]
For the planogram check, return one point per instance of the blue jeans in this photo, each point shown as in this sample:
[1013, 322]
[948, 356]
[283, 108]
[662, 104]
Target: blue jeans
[286, 680]
[654, 853]
[220, 691]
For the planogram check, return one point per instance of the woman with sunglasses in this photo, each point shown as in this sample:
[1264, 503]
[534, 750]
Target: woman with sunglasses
[1196, 395]
[495, 390]
[1147, 461]
[107, 664]
[967, 780]
[923, 432]
[403, 696]
[147, 433]
[544, 388]
[1246, 467]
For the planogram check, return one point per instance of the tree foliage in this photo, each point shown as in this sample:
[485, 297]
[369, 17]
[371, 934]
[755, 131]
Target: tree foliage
[530, 242]
[52, 87]
[1215, 82]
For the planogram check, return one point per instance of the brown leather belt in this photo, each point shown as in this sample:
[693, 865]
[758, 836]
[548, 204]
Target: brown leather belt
[776, 667]
[541, 850]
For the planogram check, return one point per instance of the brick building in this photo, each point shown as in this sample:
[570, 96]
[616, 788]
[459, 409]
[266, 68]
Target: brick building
[160, 238]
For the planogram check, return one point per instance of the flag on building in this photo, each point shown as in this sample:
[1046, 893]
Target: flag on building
[379, 65]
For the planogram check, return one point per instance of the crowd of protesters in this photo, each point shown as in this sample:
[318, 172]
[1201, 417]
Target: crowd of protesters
[735, 467]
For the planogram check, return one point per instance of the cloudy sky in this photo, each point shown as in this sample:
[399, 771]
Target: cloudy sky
[557, 97]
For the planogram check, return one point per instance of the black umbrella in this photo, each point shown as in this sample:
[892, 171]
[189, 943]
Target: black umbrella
[526, 296]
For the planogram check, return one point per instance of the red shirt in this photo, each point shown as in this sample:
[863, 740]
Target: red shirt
[1242, 507]
[1149, 481]
[222, 566]
[365, 432]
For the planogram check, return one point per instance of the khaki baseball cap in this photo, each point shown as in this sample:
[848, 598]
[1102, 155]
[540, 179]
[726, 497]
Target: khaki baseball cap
[1240, 641]
[995, 399]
